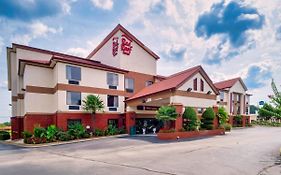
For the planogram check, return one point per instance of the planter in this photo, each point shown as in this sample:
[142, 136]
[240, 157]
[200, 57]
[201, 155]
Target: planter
[189, 134]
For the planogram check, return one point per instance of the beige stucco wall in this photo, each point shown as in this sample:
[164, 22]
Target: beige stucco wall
[193, 102]
[189, 84]
[238, 88]
[89, 77]
[40, 103]
[138, 61]
[38, 76]
[62, 105]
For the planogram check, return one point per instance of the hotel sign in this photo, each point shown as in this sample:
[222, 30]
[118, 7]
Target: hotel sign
[126, 45]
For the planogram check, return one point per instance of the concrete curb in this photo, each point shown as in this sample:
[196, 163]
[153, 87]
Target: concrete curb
[23, 145]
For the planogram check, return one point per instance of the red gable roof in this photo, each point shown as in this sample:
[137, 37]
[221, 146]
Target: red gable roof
[173, 81]
[229, 83]
[131, 36]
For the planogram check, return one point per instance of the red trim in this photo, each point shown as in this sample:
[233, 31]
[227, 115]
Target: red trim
[231, 103]
[130, 36]
[195, 84]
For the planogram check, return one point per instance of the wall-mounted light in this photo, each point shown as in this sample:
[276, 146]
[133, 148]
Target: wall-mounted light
[143, 100]
[22, 89]
[189, 89]
[209, 92]
[10, 104]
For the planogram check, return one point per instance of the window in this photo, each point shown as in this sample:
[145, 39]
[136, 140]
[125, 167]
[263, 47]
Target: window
[73, 74]
[195, 84]
[129, 84]
[73, 121]
[148, 83]
[200, 110]
[113, 122]
[73, 98]
[202, 85]
[112, 102]
[221, 96]
[112, 80]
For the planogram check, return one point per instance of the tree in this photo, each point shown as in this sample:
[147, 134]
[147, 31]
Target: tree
[222, 115]
[208, 118]
[192, 123]
[166, 114]
[268, 111]
[93, 103]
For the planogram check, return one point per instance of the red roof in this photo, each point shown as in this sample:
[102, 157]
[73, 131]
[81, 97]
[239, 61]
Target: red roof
[229, 83]
[131, 36]
[172, 82]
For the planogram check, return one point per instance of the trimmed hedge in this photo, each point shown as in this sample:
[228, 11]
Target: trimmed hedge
[4, 135]
[207, 119]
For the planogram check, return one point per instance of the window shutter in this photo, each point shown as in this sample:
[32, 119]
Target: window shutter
[202, 85]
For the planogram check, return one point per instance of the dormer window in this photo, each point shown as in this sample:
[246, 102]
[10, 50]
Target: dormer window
[195, 84]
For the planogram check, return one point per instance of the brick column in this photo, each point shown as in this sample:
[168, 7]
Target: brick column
[216, 119]
[179, 120]
[243, 121]
[130, 120]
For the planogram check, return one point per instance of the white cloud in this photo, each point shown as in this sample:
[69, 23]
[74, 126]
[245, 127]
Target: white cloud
[103, 4]
[36, 30]
[4, 84]
[78, 51]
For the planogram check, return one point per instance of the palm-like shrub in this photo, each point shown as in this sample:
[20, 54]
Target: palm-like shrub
[191, 121]
[92, 104]
[51, 133]
[222, 115]
[76, 130]
[207, 119]
[166, 114]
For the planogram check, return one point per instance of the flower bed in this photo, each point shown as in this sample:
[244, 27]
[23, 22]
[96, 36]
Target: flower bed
[189, 134]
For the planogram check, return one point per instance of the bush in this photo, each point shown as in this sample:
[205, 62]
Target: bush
[63, 136]
[26, 136]
[222, 115]
[237, 120]
[4, 135]
[207, 119]
[111, 130]
[39, 132]
[226, 126]
[122, 130]
[51, 133]
[191, 121]
[76, 130]
[98, 132]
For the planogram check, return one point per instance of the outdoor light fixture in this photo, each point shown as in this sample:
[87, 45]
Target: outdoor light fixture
[209, 92]
[189, 89]
[143, 100]
[22, 89]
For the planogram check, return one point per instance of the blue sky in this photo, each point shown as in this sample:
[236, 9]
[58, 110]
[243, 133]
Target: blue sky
[228, 38]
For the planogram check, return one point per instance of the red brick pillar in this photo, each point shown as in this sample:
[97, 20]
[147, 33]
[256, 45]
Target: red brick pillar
[230, 120]
[216, 119]
[179, 120]
[130, 120]
[243, 121]
[17, 127]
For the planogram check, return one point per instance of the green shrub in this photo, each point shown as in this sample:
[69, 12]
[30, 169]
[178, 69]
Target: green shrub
[122, 130]
[207, 119]
[191, 121]
[26, 136]
[76, 130]
[63, 136]
[226, 126]
[237, 120]
[51, 133]
[4, 135]
[98, 132]
[222, 115]
[111, 130]
[39, 132]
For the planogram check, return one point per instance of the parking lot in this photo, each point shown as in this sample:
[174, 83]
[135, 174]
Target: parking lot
[243, 151]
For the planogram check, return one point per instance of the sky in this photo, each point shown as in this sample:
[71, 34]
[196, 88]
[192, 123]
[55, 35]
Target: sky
[228, 38]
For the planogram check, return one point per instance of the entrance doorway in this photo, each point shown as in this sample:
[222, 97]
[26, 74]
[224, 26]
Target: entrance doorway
[148, 124]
